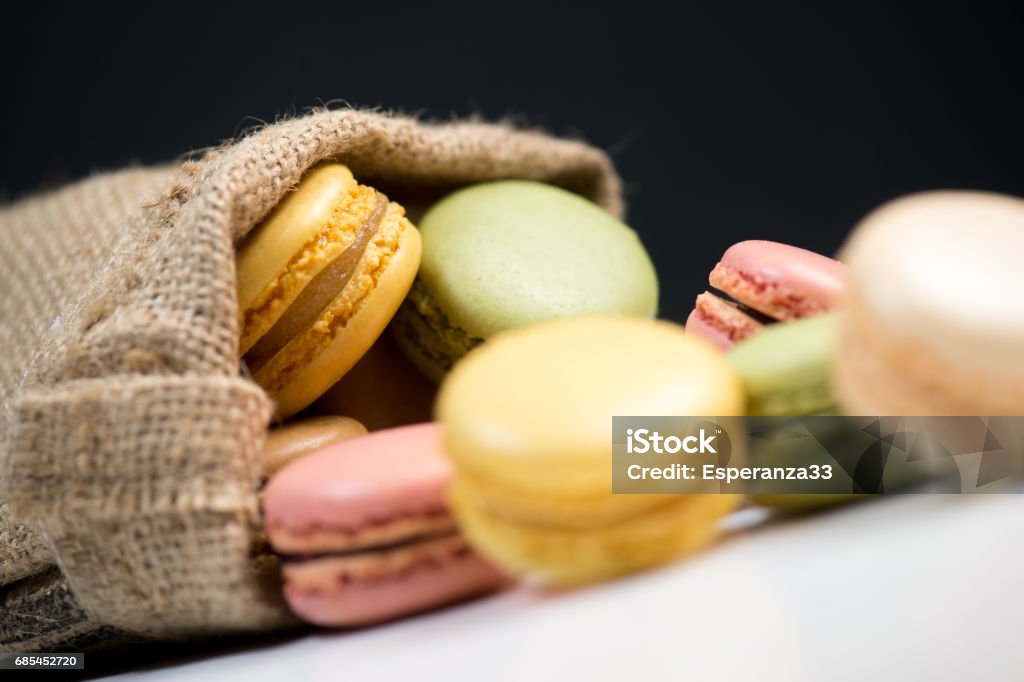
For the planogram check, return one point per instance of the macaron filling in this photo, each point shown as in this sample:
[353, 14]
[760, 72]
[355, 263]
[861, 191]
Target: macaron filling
[323, 538]
[319, 293]
[350, 591]
[730, 320]
[381, 564]
[431, 340]
[406, 532]
[770, 298]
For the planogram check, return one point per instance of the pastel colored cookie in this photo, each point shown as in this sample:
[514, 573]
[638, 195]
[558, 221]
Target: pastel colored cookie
[764, 282]
[502, 255]
[318, 282]
[365, 531]
[383, 390]
[785, 369]
[527, 422]
[293, 440]
[933, 323]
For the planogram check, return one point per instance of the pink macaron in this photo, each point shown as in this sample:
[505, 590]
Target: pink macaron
[365, 533]
[766, 282]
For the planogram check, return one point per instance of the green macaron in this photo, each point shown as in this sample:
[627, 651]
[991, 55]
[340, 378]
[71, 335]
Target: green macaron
[785, 373]
[511, 253]
[785, 368]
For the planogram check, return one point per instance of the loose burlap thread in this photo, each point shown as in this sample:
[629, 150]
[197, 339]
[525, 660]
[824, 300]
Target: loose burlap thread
[129, 441]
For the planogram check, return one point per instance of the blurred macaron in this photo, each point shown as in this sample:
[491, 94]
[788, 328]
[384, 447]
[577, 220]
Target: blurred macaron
[527, 422]
[933, 322]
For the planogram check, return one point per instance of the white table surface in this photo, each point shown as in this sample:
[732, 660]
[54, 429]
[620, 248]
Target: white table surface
[916, 587]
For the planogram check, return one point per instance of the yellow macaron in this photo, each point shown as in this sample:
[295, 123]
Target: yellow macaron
[318, 282]
[527, 421]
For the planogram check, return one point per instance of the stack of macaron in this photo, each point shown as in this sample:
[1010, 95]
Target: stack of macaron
[506, 328]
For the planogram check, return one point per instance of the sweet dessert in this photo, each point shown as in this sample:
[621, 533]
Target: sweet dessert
[785, 369]
[527, 421]
[933, 323]
[318, 282]
[382, 391]
[290, 441]
[365, 533]
[764, 282]
[507, 254]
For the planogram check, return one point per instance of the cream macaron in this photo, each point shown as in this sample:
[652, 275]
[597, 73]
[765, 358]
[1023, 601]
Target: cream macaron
[933, 322]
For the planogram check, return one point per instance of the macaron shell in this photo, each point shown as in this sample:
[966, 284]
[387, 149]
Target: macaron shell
[945, 257]
[368, 481]
[297, 220]
[302, 274]
[426, 335]
[507, 254]
[865, 384]
[356, 591]
[532, 408]
[878, 373]
[698, 325]
[311, 364]
[785, 369]
[934, 323]
[782, 281]
[720, 322]
[383, 390]
[567, 510]
[287, 443]
[567, 556]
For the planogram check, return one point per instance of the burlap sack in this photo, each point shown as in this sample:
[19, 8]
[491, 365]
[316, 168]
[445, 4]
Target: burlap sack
[129, 440]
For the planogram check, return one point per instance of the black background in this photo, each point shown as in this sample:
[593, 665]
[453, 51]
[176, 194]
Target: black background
[727, 122]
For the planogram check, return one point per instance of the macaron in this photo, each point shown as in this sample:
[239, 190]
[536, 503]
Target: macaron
[527, 422]
[785, 370]
[365, 532]
[933, 322]
[290, 441]
[318, 281]
[764, 282]
[506, 254]
[382, 391]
